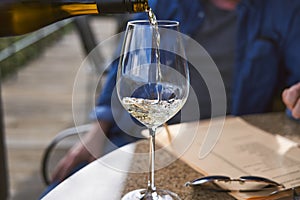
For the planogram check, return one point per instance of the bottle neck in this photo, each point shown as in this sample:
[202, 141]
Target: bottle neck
[122, 6]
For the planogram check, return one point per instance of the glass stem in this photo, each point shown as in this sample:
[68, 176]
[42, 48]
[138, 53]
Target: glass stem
[151, 186]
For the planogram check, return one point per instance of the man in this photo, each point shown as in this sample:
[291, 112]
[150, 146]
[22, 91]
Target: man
[266, 47]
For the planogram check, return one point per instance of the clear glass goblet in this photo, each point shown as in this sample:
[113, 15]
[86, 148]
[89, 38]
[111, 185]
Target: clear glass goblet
[152, 85]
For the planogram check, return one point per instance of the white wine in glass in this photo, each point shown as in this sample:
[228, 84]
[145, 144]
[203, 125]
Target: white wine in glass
[152, 85]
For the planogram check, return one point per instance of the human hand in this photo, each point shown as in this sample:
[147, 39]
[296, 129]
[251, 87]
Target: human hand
[75, 157]
[291, 98]
[86, 151]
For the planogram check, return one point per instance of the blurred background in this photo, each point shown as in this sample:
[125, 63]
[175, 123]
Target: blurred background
[38, 72]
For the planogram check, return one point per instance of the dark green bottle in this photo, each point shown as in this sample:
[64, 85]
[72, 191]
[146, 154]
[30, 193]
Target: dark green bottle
[23, 16]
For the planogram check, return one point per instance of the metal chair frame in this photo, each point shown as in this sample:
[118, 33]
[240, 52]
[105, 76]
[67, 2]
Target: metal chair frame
[59, 137]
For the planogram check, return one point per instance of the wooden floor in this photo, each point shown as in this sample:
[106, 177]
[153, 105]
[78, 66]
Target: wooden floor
[38, 104]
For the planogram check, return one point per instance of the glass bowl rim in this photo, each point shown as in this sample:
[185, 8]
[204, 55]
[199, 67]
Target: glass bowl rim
[161, 23]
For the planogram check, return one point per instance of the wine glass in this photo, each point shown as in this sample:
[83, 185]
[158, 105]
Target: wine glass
[152, 85]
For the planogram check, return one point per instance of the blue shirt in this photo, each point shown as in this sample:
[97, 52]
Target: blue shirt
[267, 51]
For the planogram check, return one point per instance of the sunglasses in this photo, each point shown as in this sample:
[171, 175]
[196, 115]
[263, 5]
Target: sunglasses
[246, 184]
[241, 184]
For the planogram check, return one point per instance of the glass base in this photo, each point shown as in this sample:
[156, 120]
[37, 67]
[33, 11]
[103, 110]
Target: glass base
[143, 194]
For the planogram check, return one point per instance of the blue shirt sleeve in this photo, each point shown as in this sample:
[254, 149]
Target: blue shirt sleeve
[105, 96]
[102, 110]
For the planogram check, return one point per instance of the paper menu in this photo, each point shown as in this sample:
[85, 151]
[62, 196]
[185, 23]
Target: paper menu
[242, 149]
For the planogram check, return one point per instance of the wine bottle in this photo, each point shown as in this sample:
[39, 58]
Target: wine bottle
[18, 17]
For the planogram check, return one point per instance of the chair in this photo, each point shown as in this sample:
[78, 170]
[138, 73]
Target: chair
[88, 42]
